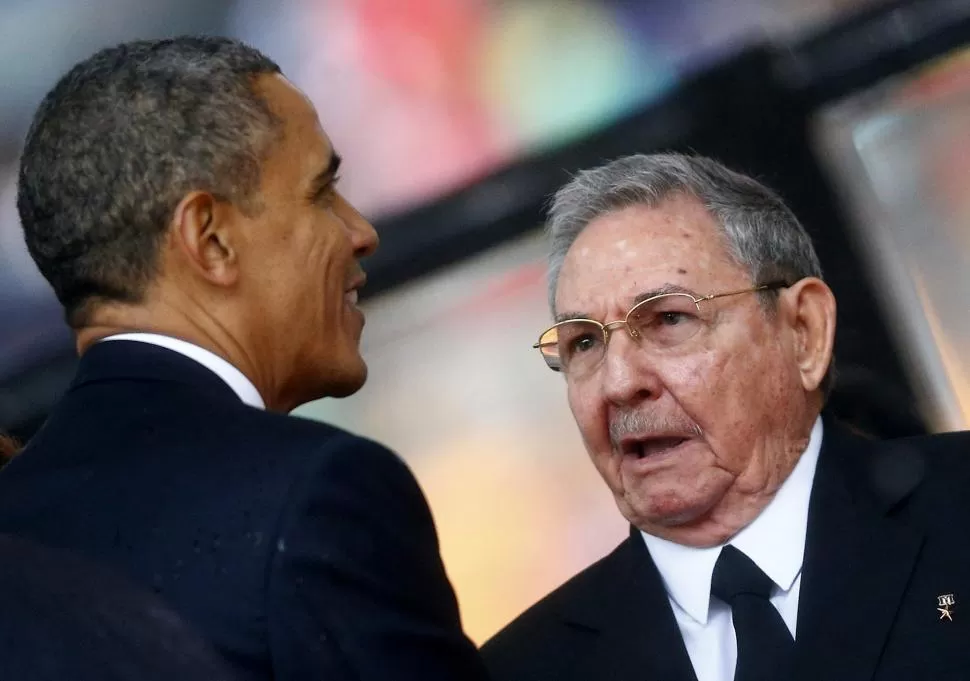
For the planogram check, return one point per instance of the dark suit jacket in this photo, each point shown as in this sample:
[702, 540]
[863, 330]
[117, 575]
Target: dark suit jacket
[301, 551]
[887, 537]
[64, 617]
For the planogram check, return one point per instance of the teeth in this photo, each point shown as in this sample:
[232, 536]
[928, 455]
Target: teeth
[351, 297]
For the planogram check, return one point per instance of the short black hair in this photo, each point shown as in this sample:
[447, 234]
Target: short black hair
[119, 141]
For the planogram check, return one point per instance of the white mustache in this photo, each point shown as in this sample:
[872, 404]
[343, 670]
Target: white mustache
[626, 423]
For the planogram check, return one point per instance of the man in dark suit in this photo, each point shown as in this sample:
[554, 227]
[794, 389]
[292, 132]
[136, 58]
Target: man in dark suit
[695, 336]
[181, 198]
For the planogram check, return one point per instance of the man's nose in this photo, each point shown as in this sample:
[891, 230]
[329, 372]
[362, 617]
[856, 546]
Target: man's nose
[363, 236]
[628, 373]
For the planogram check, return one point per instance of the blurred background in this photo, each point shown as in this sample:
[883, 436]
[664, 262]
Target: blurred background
[458, 118]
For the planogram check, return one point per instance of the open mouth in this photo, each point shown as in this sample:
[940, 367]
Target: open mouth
[352, 293]
[652, 446]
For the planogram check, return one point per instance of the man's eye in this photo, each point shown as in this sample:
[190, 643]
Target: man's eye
[583, 344]
[674, 318]
[326, 195]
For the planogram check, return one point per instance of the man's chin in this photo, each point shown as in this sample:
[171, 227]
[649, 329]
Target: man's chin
[660, 511]
[685, 521]
[350, 380]
[335, 379]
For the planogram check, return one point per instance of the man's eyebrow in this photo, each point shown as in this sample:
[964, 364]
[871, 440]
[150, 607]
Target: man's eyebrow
[325, 177]
[663, 290]
[640, 297]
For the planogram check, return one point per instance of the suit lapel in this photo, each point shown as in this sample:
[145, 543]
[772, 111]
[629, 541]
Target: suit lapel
[629, 613]
[858, 560]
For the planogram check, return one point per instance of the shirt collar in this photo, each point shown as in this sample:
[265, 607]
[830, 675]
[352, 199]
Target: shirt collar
[232, 376]
[775, 541]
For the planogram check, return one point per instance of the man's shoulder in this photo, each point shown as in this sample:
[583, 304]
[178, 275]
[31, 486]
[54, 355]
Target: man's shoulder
[301, 441]
[290, 428]
[930, 473]
[948, 444]
[174, 427]
[944, 457]
[939, 457]
[920, 458]
[532, 637]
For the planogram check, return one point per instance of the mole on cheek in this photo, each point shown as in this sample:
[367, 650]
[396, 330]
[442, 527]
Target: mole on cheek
[681, 271]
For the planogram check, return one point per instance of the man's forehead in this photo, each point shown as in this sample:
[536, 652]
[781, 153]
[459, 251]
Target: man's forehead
[621, 254]
[303, 135]
[678, 221]
[286, 99]
[677, 233]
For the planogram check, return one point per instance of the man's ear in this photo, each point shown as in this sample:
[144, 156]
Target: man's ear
[202, 230]
[809, 308]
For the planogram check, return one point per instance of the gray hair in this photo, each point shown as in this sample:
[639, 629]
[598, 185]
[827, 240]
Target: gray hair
[119, 141]
[760, 232]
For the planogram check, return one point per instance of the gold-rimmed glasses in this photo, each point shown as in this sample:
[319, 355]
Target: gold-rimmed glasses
[661, 322]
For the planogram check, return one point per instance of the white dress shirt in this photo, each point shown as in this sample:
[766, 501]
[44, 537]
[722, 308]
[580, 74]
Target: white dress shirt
[232, 376]
[775, 541]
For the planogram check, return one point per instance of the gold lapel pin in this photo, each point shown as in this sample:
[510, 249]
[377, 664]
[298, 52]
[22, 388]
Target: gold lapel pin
[944, 602]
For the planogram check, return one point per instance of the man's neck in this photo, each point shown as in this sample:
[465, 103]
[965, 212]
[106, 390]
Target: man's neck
[203, 331]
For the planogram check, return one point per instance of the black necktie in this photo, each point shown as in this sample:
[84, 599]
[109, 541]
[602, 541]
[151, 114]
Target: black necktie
[765, 644]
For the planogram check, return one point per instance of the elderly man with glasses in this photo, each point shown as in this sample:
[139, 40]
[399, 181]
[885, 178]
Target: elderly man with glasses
[694, 332]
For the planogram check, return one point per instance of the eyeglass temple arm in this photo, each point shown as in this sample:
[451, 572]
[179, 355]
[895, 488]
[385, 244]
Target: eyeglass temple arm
[763, 287]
